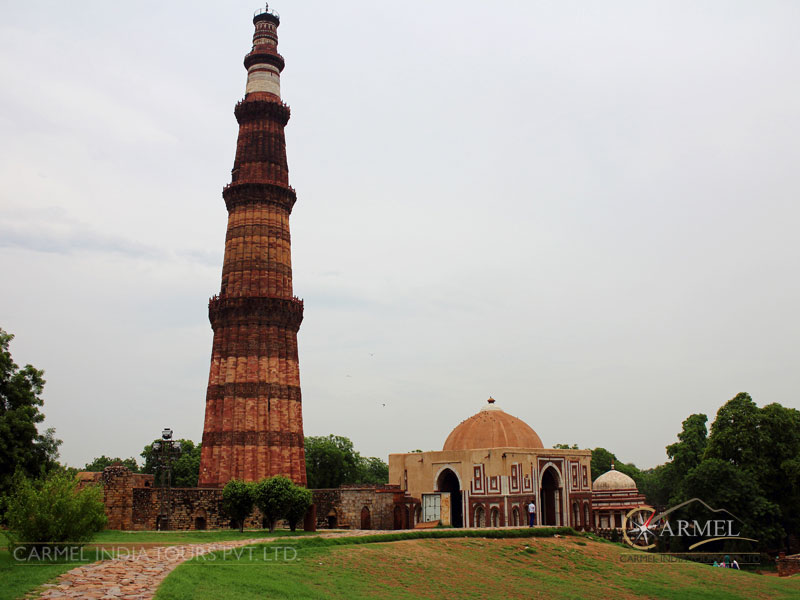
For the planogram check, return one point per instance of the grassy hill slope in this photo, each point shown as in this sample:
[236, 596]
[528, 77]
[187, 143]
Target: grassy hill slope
[565, 567]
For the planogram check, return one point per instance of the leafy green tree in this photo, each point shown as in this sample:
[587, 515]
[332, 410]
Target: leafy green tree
[602, 460]
[185, 469]
[21, 445]
[331, 461]
[273, 497]
[736, 434]
[722, 484]
[299, 501]
[566, 446]
[101, 462]
[52, 511]
[688, 451]
[372, 470]
[657, 485]
[765, 443]
[780, 479]
[237, 501]
[685, 454]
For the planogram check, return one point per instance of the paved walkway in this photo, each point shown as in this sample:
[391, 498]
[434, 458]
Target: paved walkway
[138, 575]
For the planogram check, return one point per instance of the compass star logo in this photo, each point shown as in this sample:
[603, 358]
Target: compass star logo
[642, 526]
[639, 528]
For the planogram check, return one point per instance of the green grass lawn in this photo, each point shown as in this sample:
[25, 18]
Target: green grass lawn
[466, 567]
[18, 578]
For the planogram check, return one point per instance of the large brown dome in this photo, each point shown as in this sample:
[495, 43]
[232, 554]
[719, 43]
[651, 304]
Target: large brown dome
[492, 428]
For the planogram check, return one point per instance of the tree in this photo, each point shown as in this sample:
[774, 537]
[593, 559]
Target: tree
[736, 434]
[101, 462]
[237, 501]
[273, 497]
[780, 479]
[685, 454]
[602, 460]
[722, 484]
[52, 511]
[765, 443]
[21, 445]
[749, 464]
[566, 446]
[185, 469]
[372, 470]
[657, 485]
[299, 500]
[331, 461]
[688, 451]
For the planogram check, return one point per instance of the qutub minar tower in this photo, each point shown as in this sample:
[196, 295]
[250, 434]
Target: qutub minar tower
[254, 423]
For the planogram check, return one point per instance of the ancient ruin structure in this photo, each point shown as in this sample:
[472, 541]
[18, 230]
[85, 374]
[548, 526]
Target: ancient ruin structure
[614, 495]
[491, 466]
[253, 422]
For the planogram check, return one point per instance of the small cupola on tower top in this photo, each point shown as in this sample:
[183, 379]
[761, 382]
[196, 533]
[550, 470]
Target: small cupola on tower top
[263, 63]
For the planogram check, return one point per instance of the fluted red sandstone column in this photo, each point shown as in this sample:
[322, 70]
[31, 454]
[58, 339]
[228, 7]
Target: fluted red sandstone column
[254, 422]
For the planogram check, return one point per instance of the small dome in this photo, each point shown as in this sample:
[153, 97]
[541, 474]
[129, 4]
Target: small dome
[614, 480]
[492, 428]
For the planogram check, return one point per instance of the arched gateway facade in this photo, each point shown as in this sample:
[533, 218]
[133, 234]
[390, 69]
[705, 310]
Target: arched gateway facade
[491, 466]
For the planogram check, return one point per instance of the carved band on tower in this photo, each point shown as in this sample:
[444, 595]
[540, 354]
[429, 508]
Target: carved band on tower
[254, 422]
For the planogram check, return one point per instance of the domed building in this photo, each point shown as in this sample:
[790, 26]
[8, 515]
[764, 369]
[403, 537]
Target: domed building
[614, 495]
[490, 467]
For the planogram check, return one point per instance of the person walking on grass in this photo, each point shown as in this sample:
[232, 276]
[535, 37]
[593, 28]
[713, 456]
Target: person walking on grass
[531, 514]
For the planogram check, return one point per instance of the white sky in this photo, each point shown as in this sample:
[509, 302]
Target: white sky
[587, 210]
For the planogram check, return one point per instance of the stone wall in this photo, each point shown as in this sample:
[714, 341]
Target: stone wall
[117, 484]
[364, 507]
[190, 508]
[132, 503]
[788, 565]
[131, 506]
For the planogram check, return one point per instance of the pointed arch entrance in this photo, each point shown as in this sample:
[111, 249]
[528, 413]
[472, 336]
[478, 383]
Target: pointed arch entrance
[447, 482]
[550, 500]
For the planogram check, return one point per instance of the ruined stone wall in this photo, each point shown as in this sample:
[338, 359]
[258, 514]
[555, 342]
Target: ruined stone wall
[327, 503]
[788, 565]
[137, 507]
[118, 496]
[191, 508]
[347, 503]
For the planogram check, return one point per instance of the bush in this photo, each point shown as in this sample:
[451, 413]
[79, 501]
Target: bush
[300, 499]
[52, 511]
[273, 497]
[237, 501]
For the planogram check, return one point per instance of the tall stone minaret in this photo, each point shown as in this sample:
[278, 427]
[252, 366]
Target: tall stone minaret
[254, 422]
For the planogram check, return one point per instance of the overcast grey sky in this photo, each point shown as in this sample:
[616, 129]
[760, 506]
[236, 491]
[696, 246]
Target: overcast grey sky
[585, 209]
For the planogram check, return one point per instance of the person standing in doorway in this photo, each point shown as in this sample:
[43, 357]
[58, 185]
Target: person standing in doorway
[531, 514]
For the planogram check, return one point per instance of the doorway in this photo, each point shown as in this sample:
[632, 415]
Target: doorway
[448, 483]
[550, 504]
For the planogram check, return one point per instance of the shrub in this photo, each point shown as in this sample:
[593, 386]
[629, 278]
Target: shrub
[273, 497]
[237, 501]
[52, 511]
[300, 499]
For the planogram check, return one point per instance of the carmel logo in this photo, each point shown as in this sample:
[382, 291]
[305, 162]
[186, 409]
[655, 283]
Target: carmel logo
[642, 526]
